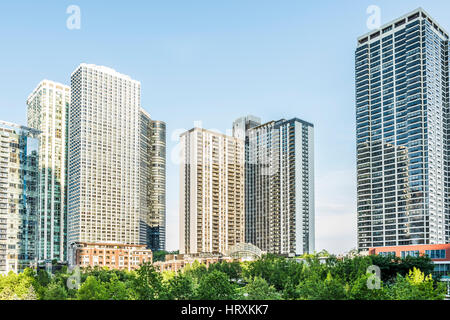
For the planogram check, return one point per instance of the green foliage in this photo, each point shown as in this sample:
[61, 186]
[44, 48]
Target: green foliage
[349, 269]
[277, 271]
[92, 289]
[416, 286]
[392, 266]
[18, 286]
[215, 285]
[269, 278]
[233, 269]
[315, 287]
[181, 287]
[359, 290]
[118, 290]
[44, 278]
[55, 291]
[196, 271]
[148, 284]
[161, 255]
[259, 289]
[96, 289]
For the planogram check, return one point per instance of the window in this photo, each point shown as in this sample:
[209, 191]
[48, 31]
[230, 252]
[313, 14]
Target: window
[410, 253]
[387, 254]
[436, 254]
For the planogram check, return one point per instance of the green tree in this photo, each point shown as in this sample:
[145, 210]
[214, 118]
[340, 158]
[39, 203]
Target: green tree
[161, 255]
[316, 288]
[215, 286]
[323, 253]
[349, 269]
[148, 284]
[92, 289]
[55, 291]
[259, 289]
[196, 271]
[392, 266]
[18, 286]
[181, 287]
[117, 289]
[44, 278]
[232, 269]
[359, 290]
[416, 286]
[277, 271]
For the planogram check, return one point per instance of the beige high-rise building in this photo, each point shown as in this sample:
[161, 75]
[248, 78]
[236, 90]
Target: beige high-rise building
[48, 107]
[116, 168]
[212, 209]
[104, 157]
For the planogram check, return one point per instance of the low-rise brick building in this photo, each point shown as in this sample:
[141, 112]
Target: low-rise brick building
[111, 255]
[439, 253]
[179, 261]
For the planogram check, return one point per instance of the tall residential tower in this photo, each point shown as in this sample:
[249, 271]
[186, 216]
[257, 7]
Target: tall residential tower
[116, 166]
[104, 157]
[48, 107]
[19, 174]
[402, 114]
[280, 187]
[153, 182]
[212, 192]
[240, 131]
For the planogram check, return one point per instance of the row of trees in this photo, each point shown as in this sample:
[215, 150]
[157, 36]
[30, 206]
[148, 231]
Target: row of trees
[269, 278]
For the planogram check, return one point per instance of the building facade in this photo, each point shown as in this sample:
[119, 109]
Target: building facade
[402, 114]
[280, 187]
[179, 262]
[243, 124]
[240, 131]
[104, 158]
[157, 221]
[212, 209]
[111, 255]
[19, 202]
[153, 183]
[439, 253]
[238, 253]
[48, 107]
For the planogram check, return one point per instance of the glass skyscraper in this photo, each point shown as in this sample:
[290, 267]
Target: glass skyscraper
[279, 185]
[240, 131]
[402, 101]
[48, 108]
[19, 174]
[153, 182]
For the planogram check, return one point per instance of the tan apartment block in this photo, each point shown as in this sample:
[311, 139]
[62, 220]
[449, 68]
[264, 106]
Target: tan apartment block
[212, 209]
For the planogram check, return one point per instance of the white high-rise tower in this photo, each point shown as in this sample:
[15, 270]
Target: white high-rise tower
[104, 158]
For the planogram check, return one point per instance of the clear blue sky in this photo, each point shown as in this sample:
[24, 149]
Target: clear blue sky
[214, 61]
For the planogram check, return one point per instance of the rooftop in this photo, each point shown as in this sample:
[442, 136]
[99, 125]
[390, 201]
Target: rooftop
[11, 125]
[106, 70]
[392, 25]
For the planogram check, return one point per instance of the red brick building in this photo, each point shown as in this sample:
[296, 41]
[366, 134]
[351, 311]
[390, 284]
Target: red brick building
[111, 255]
[439, 253]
